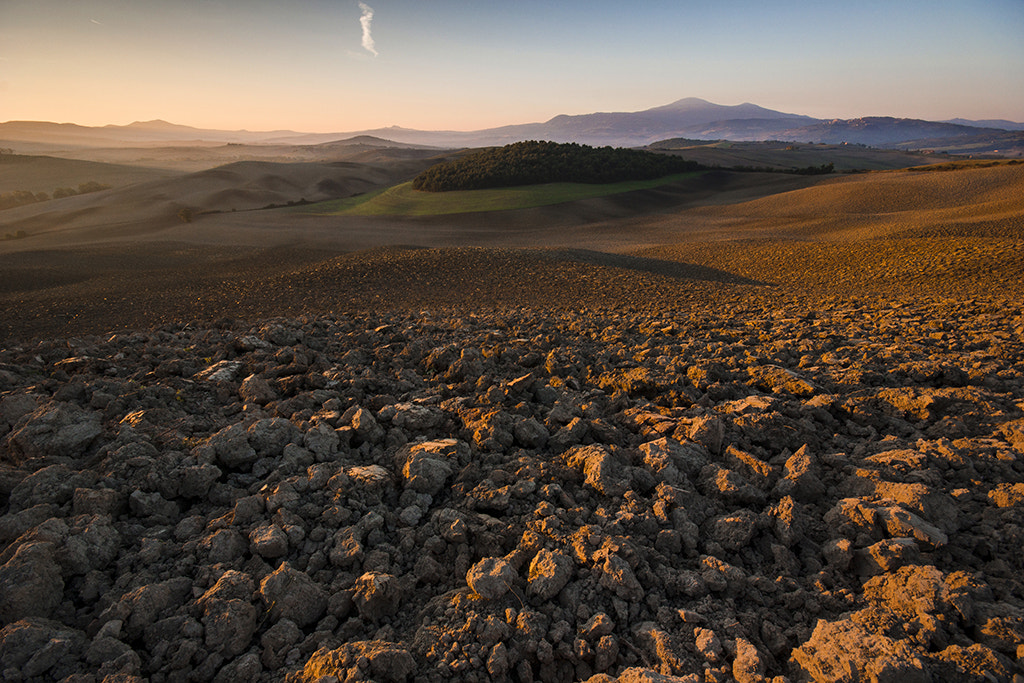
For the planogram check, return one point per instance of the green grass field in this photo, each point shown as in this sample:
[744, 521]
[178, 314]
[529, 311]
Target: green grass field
[402, 200]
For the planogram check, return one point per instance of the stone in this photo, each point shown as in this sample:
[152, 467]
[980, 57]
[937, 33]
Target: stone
[933, 506]
[748, 666]
[707, 643]
[230, 446]
[367, 427]
[269, 541]
[618, 577]
[277, 640]
[33, 645]
[734, 530]
[900, 522]
[426, 466]
[672, 460]
[151, 602]
[601, 470]
[597, 626]
[152, 504]
[232, 585]
[14, 524]
[224, 545]
[221, 371]
[415, 418]
[322, 441]
[288, 593]
[55, 484]
[377, 595]
[255, 389]
[230, 625]
[1007, 495]
[550, 571]
[800, 478]
[781, 380]
[844, 652]
[491, 577]
[31, 584]
[709, 432]
[378, 660]
[530, 433]
[92, 543]
[245, 668]
[55, 429]
[96, 502]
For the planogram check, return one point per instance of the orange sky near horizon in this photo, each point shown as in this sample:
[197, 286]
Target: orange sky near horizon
[325, 65]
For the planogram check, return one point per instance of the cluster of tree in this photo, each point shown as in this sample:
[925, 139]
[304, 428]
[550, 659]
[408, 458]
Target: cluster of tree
[824, 169]
[806, 170]
[9, 200]
[532, 163]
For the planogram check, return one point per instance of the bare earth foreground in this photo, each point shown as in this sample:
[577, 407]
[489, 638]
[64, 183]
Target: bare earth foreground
[738, 437]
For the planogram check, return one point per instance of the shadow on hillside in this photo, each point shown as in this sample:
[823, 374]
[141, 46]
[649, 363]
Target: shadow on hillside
[673, 269]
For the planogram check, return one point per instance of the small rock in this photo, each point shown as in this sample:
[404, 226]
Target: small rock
[56, 429]
[255, 389]
[376, 660]
[549, 572]
[377, 595]
[290, 594]
[748, 667]
[617, 576]
[269, 541]
[601, 470]
[491, 577]
[30, 583]
[708, 644]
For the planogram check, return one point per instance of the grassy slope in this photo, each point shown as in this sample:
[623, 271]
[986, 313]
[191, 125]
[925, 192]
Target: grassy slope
[402, 200]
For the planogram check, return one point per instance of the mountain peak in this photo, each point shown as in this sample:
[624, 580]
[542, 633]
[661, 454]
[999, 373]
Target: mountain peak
[691, 102]
[155, 124]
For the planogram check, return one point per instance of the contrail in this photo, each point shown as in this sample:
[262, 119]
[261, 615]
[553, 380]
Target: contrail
[365, 22]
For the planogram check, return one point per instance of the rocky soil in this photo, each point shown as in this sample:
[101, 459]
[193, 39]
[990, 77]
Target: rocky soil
[713, 494]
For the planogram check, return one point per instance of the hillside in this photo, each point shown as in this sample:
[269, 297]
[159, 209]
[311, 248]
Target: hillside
[791, 156]
[156, 205]
[977, 201]
[44, 174]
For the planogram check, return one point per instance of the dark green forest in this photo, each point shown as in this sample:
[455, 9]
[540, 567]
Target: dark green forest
[533, 163]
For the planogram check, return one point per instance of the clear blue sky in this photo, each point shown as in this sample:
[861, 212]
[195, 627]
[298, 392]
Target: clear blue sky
[444, 64]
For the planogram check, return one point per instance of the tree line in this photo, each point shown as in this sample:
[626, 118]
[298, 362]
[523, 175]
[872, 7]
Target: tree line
[9, 200]
[533, 163]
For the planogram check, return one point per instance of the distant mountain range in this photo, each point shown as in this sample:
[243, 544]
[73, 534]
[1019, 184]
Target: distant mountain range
[687, 118]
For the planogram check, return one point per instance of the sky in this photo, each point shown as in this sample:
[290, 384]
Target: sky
[341, 65]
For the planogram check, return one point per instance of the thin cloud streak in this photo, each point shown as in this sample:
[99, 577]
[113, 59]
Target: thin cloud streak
[365, 21]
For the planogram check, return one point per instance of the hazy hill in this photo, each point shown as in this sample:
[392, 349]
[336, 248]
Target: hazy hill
[881, 131]
[989, 123]
[690, 117]
[44, 174]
